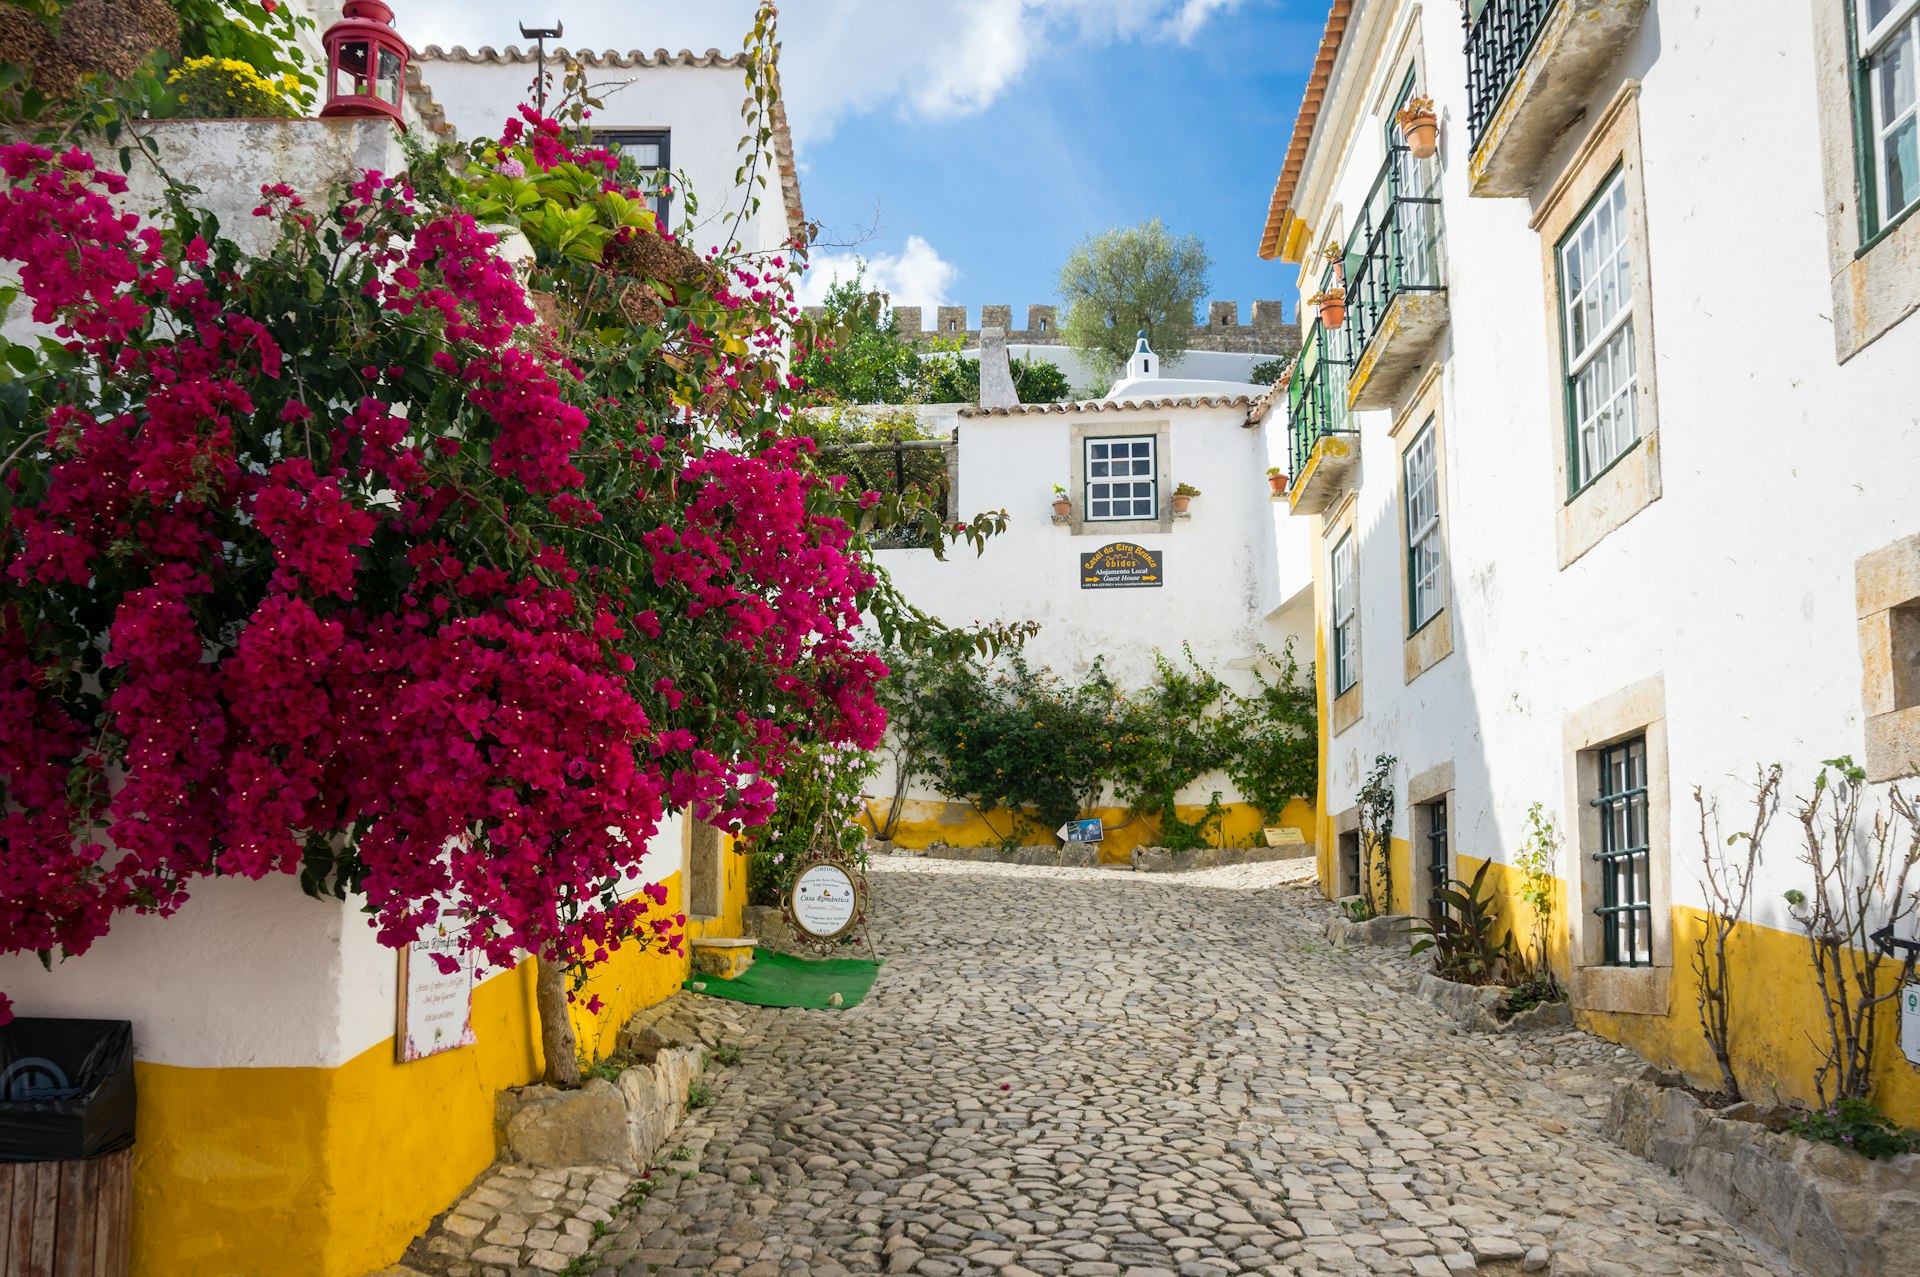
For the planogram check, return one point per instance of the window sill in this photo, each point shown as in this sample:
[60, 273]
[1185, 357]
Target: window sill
[1427, 646]
[1622, 990]
[1346, 709]
[1625, 488]
[1120, 527]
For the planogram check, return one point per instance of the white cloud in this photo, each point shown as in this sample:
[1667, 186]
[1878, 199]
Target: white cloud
[915, 276]
[842, 58]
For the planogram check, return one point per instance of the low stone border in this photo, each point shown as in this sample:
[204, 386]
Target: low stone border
[1072, 856]
[568, 1158]
[1478, 1007]
[1157, 860]
[1834, 1212]
[1387, 929]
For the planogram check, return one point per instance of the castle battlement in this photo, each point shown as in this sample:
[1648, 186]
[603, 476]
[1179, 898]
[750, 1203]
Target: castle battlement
[1267, 334]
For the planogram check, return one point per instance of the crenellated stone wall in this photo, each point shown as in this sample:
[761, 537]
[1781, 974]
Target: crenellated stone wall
[1268, 333]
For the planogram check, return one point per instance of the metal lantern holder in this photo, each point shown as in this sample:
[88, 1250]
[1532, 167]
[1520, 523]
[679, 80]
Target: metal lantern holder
[366, 63]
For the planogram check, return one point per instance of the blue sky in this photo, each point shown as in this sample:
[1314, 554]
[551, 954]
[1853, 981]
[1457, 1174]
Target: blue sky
[991, 135]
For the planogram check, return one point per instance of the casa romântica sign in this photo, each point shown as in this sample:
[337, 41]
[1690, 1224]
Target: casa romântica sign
[1120, 566]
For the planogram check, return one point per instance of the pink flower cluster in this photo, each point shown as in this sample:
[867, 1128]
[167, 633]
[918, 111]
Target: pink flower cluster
[260, 616]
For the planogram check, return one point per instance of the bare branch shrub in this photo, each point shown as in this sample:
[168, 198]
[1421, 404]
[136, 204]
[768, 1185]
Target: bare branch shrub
[1727, 878]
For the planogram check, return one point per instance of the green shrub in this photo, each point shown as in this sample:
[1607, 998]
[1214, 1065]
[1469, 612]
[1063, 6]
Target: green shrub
[1468, 947]
[1856, 1124]
[228, 89]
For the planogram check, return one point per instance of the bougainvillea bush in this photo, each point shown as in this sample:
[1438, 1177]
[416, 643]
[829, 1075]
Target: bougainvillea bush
[361, 562]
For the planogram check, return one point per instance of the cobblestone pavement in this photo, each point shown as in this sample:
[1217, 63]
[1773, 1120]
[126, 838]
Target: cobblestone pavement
[1083, 1073]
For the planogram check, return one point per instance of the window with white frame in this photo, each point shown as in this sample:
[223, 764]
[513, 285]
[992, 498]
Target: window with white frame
[1345, 639]
[1596, 313]
[1887, 84]
[1426, 581]
[1122, 479]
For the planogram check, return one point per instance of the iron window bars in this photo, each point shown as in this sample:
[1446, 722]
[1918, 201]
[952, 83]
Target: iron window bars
[1397, 241]
[1626, 911]
[1317, 392]
[1439, 866]
[1500, 35]
[1122, 480]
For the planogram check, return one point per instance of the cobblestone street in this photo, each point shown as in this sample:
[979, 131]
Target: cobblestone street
[1084, 1072]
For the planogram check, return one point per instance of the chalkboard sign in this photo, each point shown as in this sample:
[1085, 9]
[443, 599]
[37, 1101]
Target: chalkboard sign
[1121, 565]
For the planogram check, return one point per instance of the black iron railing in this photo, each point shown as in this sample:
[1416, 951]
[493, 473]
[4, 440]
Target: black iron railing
[1317, 394]
[896, 466]
[1499, 37]
[1396, 244]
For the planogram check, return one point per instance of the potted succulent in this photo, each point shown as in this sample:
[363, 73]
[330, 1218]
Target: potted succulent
[1332, 305]
[1336, 260]
[1277, 480]
[1061, 505]
[1183, 496]
[1419, 126]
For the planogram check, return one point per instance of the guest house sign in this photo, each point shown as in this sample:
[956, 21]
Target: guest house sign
[824, 901]
[1121, 565]
[436, 1009]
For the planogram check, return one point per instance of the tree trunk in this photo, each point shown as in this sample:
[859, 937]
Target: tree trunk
[557, 1042]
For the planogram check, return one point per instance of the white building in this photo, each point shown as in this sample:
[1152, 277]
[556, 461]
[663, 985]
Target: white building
[676, 113]
[1611, 465]
[1230, 576]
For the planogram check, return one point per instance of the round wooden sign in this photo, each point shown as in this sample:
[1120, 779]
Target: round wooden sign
[824, 901]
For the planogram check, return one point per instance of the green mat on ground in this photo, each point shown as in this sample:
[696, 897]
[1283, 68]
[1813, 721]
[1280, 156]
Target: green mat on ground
[777, 980]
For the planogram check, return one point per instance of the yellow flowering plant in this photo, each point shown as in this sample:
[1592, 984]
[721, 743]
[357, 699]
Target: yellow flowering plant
[213, 88]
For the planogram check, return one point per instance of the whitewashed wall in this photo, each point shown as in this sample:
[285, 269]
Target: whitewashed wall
[1781, 467]
[700, 105]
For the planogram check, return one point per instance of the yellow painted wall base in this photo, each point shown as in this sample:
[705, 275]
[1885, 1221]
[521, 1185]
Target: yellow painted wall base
[330, 1172]
[925, 822]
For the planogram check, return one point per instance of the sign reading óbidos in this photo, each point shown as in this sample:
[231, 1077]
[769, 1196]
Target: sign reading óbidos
[1122, 565]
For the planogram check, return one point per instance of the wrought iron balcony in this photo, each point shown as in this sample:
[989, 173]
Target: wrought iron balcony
[1499, 37]
[1322, 436]
[1531, 67]
[1396, 288]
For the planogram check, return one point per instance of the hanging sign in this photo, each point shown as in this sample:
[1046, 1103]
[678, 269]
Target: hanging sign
[824, 901]
[1122, 565]
[436, 1009]
[1910, 1023]
[1073, 831]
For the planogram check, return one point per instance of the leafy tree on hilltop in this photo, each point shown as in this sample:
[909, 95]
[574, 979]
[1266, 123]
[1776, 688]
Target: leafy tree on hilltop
[1127, 279]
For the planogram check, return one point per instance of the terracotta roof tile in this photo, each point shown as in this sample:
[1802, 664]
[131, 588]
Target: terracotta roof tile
[1110, 405]
[1280, 208]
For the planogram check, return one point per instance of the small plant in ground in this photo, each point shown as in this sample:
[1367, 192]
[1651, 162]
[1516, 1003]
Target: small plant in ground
[1536, 860]
[1856, 1124]
[1468, 948]
[1860, 877]
[1375, 798]
[1539, 991]
[681, 1154]
[1359, 908]
[1727, 878]
[727, 1053]
[753, 1177]
[699, 1094]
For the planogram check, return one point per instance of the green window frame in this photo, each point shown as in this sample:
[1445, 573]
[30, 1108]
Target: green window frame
[1625, 856]
[1426, 548]
[1343, 640]
[1594, 294]
[1883, 50]
[1439, 863]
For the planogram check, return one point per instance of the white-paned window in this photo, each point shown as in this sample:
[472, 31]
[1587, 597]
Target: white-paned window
[1345, 639]
[652, 151]
[1596, 299]
[1426, 581]
[1121, 479]
[1888, 43]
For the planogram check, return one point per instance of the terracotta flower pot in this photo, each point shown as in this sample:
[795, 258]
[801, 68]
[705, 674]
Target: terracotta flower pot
[1062, 508]
[1422, 133]
[1277, 482]
[1333, 313]
[1180, 504]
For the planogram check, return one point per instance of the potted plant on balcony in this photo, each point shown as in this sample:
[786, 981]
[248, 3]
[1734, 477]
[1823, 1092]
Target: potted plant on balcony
[1183, 497]
[1332, 305]
[1061, 505]
[1419, 126]
[1277, 480]
[1336, 260]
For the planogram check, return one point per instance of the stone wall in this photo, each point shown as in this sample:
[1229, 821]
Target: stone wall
[1267, 334]
[1834, 1212]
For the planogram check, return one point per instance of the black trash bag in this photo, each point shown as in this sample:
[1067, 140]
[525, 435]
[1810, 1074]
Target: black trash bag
[66, 1089]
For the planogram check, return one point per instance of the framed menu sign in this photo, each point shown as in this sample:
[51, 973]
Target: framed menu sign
[1121, 565]
[436, 1009]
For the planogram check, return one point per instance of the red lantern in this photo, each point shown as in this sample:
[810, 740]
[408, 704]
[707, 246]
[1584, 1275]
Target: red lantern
[366, 62]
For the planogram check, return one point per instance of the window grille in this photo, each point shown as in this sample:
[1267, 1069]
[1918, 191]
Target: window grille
[1626, 911]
